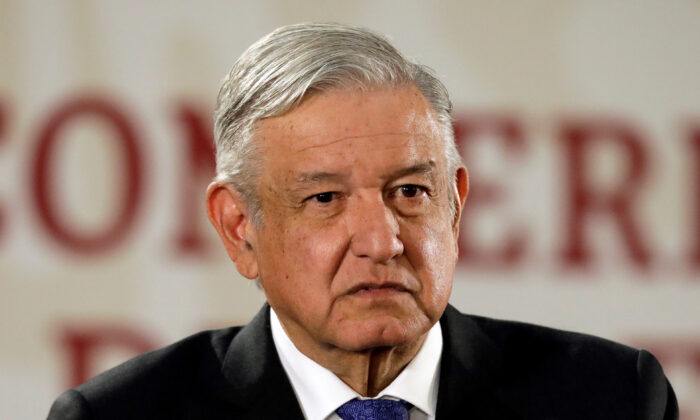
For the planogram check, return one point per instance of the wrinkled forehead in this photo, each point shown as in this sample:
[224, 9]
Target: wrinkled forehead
[340, 119]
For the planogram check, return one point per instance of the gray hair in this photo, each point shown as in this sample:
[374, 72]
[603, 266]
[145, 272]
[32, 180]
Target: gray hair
[274, 75]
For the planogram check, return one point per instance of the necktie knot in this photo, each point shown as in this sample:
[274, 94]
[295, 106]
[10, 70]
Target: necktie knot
[374, 409]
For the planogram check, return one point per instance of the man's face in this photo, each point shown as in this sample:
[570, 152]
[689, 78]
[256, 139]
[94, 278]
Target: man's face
[358, 245]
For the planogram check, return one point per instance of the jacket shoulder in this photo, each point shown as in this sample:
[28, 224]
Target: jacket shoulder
[70, 405]
[149, 382]
[521, 340]
[551, 369]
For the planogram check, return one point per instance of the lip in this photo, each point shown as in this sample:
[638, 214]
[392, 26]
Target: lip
[376, 289]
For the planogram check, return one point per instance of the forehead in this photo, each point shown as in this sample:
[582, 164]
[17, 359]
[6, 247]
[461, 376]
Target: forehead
[352, 127]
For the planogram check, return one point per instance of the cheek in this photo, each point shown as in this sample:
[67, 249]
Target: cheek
[433, 255]
[304, 266]
[306, 251]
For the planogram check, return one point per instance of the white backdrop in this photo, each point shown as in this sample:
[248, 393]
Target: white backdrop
[579, 122]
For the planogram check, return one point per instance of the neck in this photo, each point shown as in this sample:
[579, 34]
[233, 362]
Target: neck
[370, 371]
[367, 372]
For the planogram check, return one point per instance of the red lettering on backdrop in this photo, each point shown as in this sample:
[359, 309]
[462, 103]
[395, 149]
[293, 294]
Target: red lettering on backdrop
[583, 201]
[694, 141]
[45, 197]
[484, 193]
[83, 345]
[3, 124]
[200, 167]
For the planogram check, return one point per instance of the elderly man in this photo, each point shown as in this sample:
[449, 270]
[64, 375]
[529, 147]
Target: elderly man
[340, 188]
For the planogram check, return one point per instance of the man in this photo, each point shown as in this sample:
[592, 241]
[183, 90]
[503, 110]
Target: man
[339, 187]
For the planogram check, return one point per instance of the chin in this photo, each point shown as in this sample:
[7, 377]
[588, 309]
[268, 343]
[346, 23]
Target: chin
[376, 333]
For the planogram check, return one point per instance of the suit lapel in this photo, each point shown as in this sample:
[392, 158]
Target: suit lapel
[471, 372]
[256, 379]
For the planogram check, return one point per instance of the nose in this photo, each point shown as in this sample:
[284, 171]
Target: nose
[374, 230]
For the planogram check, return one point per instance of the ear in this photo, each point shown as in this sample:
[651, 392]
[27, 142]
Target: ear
[460, 190]
[229, 215]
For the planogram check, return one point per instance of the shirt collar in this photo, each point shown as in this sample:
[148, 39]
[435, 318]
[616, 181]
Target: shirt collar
[320, 392]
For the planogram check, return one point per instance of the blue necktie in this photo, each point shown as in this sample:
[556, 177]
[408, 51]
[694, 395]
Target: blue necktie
[379, 409]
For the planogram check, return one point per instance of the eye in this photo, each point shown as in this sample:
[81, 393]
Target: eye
[324, 197]
[410, 190]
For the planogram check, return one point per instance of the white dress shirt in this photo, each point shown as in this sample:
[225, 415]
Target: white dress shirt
[320, 392]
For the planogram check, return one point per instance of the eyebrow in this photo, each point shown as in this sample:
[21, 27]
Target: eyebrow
[423, 168]
[427, 168]
[312, 177]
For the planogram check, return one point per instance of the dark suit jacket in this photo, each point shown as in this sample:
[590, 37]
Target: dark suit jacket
[489, 370]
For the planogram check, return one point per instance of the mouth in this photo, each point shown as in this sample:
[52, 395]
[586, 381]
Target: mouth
[377, 289]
